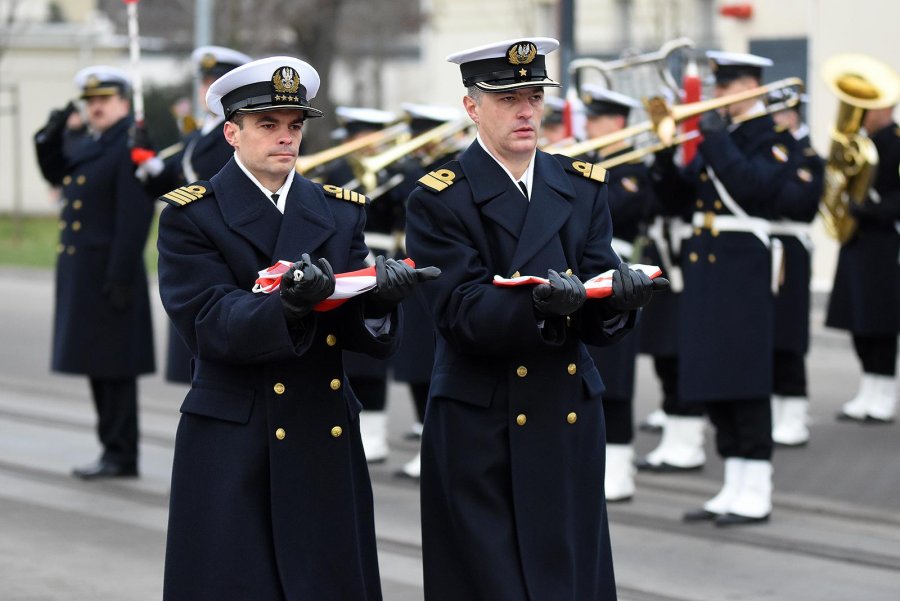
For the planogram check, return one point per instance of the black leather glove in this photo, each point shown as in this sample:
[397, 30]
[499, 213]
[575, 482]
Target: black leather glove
[394, 281]
[300, 293]
[56, 122]
[712, 122]
[562, 296]
[118, 296]
[633, 289]
[140, 145]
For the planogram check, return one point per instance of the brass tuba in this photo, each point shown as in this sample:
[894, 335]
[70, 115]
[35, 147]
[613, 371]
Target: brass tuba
[860, 83]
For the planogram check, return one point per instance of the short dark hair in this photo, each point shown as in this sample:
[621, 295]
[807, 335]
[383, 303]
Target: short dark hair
[237, 118]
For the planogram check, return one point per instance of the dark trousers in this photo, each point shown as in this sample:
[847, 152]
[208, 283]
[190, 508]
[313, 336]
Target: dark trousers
[878, 354]
[117, 418]
[371, 392]
[619, 416]
[420, 398]
[788, 374]
[743, 428]
[667, 371]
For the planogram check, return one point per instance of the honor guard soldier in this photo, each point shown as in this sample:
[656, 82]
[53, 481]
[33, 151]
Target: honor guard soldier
[270, 489]
[102, 326]
[198, 157]
[414, 360]
[513, 446]
[368, 376]
[727, 307]
[865, 298]
[797, 205]
[630, 200]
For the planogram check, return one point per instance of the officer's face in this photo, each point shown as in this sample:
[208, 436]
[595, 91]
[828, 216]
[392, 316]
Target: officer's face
[268, 143]
[509, 122]
[734, 86]
[600, 125]
[105, 111]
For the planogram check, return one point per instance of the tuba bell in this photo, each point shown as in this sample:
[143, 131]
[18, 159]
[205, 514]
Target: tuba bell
[860, 83]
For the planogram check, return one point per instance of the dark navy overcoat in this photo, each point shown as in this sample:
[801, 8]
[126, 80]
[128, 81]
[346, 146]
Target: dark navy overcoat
[513, 447]
[270, 492]
[104, 222]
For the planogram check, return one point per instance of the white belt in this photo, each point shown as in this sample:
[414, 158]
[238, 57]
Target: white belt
[760, 228]
[623, 248]
[795, 229]
[677, 231]
[384, 242]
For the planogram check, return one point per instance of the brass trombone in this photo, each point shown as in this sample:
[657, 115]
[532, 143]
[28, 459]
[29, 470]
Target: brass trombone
[368, 168]
[305, 164]
[664, 119]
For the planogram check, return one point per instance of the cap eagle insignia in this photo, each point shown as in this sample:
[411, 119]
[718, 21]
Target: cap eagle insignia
[286, 80]
[521, 53]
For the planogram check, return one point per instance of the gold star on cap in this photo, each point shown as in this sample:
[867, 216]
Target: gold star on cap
[523, 72]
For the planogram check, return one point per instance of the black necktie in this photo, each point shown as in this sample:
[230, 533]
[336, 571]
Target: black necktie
[524, 189]
[275, 199]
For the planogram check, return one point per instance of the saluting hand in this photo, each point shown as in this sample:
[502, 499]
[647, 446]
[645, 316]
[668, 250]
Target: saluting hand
[562, 296]
[394, 281]
[304, 285]
[633, 289]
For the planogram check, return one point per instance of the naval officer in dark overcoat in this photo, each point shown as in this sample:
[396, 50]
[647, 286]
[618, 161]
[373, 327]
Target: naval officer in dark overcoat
[271, 496]
[102, 326]
[513, 445]
[727, 307]
[199, 156]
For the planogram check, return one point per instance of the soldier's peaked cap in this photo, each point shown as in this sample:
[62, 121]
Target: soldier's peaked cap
[602, 101]
[728, 66]
[267, 84]
[507, 65]
[216, 61]
[102, 80]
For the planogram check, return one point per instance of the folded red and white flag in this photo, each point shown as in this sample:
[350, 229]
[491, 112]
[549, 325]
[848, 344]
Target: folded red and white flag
[346, 285]
[599, 286]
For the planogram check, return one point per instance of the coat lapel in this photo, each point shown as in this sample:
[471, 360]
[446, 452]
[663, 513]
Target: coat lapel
[548, 211]
[245, 209]
[308, 221]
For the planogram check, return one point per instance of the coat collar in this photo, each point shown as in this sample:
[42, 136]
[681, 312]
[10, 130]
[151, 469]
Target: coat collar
[307, 221]
[91, 148]
[500, 201]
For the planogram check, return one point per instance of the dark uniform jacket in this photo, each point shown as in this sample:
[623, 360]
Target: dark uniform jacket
[798, 204]
[865, 298]
[201, 156]
[630, 201]
[270, 492]
[726, 336]
[513, 447]
[104, 222]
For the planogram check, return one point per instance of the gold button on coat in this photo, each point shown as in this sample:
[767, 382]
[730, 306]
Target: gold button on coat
[77, 204]
[279, 388]
[62, 225]
[80, 180]
[572, 418]
[337, 431]
[280, 434]
[70, 249]
[699, 204]
[521, 419]
[67, 180]
[60, 248]
[331, 340]
[693, 257]
[521, 371]
[717, 205]
[76, 225]
[572, 368]
[335, 384]
[712, 258]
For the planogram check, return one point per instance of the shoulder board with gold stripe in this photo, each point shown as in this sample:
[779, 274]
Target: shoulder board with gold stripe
[185, 195]
[343, 194]
[441, 179]
[588, 170]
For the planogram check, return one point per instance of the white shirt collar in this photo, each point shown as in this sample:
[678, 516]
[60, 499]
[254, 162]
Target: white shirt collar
[801, 132]
[282, 192]
[527, 177]
[757, 108]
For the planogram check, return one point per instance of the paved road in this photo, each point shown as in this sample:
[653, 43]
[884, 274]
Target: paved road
[835, 533]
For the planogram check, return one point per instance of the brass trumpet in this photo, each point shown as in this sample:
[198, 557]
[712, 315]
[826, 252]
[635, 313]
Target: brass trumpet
[664, 119]
[305, 164]
[860, 83]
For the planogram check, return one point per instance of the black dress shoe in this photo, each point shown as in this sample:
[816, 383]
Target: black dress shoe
[664, 468]
[734, 519]
[106, 469]
[700, 515]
